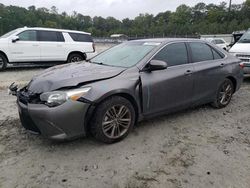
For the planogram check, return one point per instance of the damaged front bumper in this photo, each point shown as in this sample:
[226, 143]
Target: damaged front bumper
[66, 121]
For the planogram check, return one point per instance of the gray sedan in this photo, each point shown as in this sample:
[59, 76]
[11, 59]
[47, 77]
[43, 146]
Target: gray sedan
[135, 80]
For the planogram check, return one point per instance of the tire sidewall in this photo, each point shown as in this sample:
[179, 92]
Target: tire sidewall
[74, 55]
[97, 119]
[4, 65]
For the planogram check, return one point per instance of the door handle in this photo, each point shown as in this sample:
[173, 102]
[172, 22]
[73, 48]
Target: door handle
[35, 45]
[188, 72]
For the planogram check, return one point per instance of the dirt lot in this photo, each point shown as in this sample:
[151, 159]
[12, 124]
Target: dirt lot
[200, 147]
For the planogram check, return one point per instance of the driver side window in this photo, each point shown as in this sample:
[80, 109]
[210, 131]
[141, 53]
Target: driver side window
[28, 36]
[174, 54]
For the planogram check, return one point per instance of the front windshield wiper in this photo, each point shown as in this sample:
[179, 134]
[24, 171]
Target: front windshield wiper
[101, 63]
[95, 62]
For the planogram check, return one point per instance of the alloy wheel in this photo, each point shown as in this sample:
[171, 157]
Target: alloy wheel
[75, 59]
[116, 121]
[226, 93]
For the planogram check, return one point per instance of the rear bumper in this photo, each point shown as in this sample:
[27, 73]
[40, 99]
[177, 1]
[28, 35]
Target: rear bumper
[58, 123]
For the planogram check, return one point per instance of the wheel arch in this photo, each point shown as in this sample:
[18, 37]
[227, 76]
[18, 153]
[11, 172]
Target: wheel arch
[78, 52]
[1, 52]
[93, 107]
[234, 81]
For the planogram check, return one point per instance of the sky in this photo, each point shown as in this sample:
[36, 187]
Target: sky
[117, 8]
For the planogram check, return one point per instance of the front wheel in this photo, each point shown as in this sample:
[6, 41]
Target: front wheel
[3, 62]
[224, 94]
[113, 120]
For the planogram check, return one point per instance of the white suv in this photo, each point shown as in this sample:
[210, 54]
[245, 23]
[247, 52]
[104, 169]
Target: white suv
[28, 45]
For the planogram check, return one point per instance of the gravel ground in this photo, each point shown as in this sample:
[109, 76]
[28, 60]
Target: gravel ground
[200, 147]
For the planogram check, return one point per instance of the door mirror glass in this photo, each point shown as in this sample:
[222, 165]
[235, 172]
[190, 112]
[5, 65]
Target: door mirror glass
[15, 38]
[157, 65]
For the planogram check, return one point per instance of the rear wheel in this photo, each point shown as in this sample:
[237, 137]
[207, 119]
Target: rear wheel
[3, 62]
[113, 120]
[75, 58]
[224, 94]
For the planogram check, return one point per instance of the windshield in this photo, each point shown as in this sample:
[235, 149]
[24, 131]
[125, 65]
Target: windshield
[9, 33]
[125, 55]
[245, 38]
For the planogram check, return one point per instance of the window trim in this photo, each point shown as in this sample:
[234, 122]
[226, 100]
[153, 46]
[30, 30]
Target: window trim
[28, 40]
[173, 42]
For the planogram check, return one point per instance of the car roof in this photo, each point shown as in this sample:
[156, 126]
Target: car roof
[53, 29]
[166, 40]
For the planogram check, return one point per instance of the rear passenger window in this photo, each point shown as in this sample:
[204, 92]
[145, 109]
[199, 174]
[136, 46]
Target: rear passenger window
[28, 36]
[173, 54]
[81, 37]
[51, 36]
[201, 52]
[217, 55]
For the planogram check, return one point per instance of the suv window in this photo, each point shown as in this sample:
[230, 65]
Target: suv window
[51, 36]
[200, 52]
[29, 35]
[173, 54]
[81, 37]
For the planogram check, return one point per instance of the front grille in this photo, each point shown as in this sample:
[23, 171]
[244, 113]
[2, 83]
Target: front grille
[25, 97]
[243, 57]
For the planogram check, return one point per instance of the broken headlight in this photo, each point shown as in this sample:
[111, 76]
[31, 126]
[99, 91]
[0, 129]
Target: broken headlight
[56, 98]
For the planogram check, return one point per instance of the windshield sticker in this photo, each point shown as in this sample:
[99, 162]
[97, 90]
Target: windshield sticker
[152, 43]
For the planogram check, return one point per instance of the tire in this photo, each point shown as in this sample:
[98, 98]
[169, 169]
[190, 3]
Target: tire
[75, 58]
[107, 125]
[3, 62]
[224, 94]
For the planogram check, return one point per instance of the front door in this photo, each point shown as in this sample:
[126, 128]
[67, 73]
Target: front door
[171, 88]
[26, 49]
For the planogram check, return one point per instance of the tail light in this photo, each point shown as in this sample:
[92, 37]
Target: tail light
[93, 45]
[242, 65]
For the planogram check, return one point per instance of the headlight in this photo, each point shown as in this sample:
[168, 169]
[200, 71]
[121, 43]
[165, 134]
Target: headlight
[56, 98]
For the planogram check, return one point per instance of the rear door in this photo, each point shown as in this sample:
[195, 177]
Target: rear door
[170, 88]
[209, 70]
[27, 48]
[52, 45]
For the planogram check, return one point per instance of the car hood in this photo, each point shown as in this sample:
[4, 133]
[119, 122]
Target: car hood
[240, 48]
[70, 75]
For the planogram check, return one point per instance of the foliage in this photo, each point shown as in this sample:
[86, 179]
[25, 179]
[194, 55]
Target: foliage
[200, 19]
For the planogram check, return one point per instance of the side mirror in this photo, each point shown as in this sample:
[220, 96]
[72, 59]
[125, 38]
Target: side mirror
[157, 65]
[15, 38]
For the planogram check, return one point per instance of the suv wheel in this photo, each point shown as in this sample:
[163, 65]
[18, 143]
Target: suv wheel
[224, 94]
[75, 58]
[3, 62]
[113, 120]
